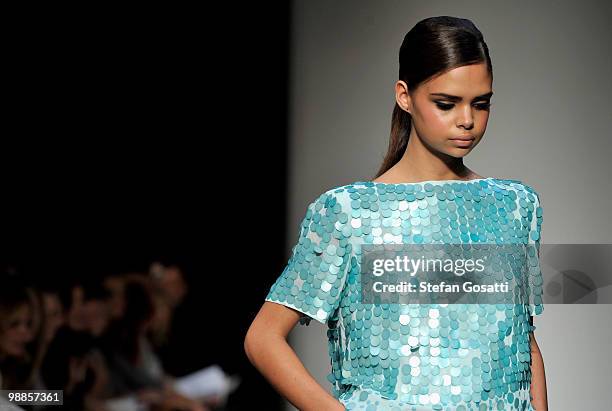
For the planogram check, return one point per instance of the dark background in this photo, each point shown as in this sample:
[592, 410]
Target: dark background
[135, 135]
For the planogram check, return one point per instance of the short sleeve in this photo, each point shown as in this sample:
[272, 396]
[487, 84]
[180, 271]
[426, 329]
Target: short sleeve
[314, 277]
[536, 305]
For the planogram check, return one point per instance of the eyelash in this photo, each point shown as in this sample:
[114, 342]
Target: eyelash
[446, 107]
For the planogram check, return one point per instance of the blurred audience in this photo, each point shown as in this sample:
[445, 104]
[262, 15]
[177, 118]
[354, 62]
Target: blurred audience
[96, 338]
[16, 332]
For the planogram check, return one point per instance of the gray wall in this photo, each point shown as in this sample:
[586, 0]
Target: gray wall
[549, 127]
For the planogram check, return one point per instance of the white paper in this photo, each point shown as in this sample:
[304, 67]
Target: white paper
[210, 381]
[128, 403]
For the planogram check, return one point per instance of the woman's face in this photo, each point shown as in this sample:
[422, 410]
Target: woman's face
[16, 331]
[450, 106]
[116, 302]
[54, 315]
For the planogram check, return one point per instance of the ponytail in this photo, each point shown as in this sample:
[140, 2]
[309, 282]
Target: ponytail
[400, 132]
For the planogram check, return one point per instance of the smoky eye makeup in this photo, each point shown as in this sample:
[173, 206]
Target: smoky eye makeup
[485, 105]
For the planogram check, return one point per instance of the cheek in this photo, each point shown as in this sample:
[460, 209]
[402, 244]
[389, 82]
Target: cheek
[433, 127]
[8, 339]
[484, 118]
[436, 120]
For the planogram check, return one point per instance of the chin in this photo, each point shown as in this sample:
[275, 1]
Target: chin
[16, 352]
[457, 153]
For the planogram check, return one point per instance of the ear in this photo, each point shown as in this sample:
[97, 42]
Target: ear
[402, 97]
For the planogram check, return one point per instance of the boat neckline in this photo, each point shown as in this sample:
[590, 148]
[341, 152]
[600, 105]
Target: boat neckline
[432, 181]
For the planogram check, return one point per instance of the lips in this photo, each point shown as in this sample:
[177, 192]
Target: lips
[463, 138]
[463, 142]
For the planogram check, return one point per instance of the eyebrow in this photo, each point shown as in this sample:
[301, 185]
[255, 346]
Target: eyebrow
[457, 98]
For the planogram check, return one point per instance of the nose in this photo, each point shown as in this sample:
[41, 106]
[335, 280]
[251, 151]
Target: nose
[26, 333]
[466, 119]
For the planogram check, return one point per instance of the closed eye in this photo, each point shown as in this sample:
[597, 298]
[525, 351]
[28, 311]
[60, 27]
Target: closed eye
[446, 106]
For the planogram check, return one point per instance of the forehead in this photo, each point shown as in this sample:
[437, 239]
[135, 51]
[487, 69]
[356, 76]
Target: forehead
[465, 81]
[22, 310]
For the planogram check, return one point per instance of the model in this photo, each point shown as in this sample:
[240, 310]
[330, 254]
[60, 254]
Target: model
[412, 356]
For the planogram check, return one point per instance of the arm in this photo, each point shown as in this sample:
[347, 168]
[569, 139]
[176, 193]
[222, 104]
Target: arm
[538, 377]
[266, 347]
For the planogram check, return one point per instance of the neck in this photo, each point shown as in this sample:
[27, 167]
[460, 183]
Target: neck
[421, 162]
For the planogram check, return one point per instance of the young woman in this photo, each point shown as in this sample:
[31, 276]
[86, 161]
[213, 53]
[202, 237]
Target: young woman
[412, 356]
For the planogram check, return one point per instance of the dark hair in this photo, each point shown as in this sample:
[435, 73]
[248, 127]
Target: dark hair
[124, 333]
[67, 343]
[13, 295]
[93, 289]
[432, 47]
[16, 371]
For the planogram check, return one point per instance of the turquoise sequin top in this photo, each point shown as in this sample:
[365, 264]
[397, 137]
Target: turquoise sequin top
[415, 356]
